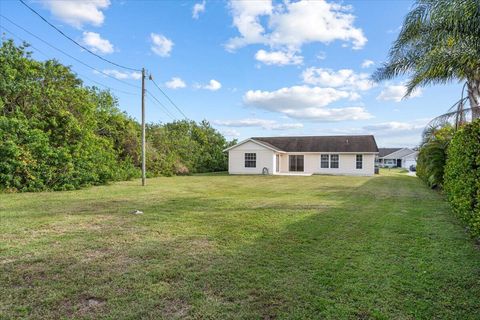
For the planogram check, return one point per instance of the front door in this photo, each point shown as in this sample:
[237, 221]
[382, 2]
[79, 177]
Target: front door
[399, 163]
[277, 168]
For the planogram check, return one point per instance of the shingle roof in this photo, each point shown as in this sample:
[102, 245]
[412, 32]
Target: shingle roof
[364, 143]
[382, 152]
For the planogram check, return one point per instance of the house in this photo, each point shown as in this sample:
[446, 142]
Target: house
[397, 157]
[342, 155]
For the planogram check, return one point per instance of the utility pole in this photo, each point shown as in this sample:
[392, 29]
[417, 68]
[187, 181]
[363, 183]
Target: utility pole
[143, 129]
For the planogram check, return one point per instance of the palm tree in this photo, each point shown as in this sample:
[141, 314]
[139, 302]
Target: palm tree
[439, 42]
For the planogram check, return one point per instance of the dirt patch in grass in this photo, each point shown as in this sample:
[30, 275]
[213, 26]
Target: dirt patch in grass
[320, 247]
[175, 309]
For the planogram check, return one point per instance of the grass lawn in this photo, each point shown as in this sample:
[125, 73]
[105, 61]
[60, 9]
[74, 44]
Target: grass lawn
[238, 247]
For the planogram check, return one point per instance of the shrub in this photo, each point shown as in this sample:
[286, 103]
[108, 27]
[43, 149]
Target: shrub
[462, 175]
[432, 157]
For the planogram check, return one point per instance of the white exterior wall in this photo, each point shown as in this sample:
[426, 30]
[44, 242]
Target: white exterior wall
[347, 164]
[409, 160]
[236, 159]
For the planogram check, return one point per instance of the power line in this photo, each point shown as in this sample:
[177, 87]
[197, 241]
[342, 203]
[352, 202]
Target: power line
[78, 44]
[173, 103]
[65, 53]
[152, 98]
[154, 103]
[164, 108]
[46, 56]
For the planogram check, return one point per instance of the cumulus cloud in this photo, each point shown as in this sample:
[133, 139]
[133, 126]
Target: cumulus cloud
[230, 133]
[396, 126]
[288, 26]
[77, 13]
[397, 133]
[344, 78]
[175, 83]
[391, 133]
[262, 123]
[367, 63]
[96, 43]
[213, 85]
[161, 45]
[396, 93]
[304, 102]
[197, 9]
[280, 58]
[123, 75]
[322, 55]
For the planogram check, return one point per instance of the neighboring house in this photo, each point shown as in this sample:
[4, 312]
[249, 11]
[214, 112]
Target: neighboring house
[343, 155]
[397, 157]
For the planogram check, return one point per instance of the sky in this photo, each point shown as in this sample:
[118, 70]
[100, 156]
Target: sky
[251, 68]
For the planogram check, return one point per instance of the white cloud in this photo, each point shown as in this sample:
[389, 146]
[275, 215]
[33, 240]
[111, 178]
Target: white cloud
[330, 114]
[280, 58]
[123, 75]
[397, 126]
[230, 133]
[322, 55]
[396, 93]
[246, 18]
[96, 43]
[213, 85]
[343, 78]
[367, 63]
[290, 25]
[304, 102]
[161, 45]
[197, 9]
[262, 123]
[397, 133]
[391, 133]
[175, 83]
[77, 13]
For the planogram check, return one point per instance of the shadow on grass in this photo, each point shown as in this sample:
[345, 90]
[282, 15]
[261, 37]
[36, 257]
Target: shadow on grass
[387, 251]
[385, 248]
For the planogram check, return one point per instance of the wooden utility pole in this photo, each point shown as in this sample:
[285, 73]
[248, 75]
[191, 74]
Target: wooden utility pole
[143, 129]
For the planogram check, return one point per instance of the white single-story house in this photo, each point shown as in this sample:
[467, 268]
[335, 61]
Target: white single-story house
[397, 157]
[342, 155]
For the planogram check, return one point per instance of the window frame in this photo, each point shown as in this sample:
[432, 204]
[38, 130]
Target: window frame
[251, 159]
[337, 161]
[357, 162]
[297, 157]
[323, 161]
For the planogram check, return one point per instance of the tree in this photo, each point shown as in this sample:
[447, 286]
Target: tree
[432, 155]
[439, 42]
[56, 133]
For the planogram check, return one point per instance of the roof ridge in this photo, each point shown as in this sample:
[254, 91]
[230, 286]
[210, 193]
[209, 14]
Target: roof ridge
[282, 137]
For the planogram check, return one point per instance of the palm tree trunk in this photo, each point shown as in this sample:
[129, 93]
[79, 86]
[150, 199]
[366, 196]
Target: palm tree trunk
[474, 97]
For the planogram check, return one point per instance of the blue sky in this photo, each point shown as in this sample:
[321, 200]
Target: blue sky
[251, 68]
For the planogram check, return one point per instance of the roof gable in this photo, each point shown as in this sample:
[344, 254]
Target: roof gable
[396, 153]
[382, 152]
[260, 143]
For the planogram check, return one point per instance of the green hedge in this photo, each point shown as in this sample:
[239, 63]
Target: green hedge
[462, 175]
[432, 156]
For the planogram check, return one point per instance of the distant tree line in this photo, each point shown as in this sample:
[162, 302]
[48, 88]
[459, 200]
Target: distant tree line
[58, 134]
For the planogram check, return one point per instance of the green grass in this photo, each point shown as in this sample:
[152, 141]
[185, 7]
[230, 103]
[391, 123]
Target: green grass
[238, 247]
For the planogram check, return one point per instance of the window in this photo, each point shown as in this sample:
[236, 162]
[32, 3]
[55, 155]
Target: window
[296, 163]
[324, 161]
[359, 161]
[250, 160]
[334, 161]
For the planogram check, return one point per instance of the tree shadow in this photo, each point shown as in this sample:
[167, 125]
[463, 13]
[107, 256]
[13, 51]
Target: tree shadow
[380, 247]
